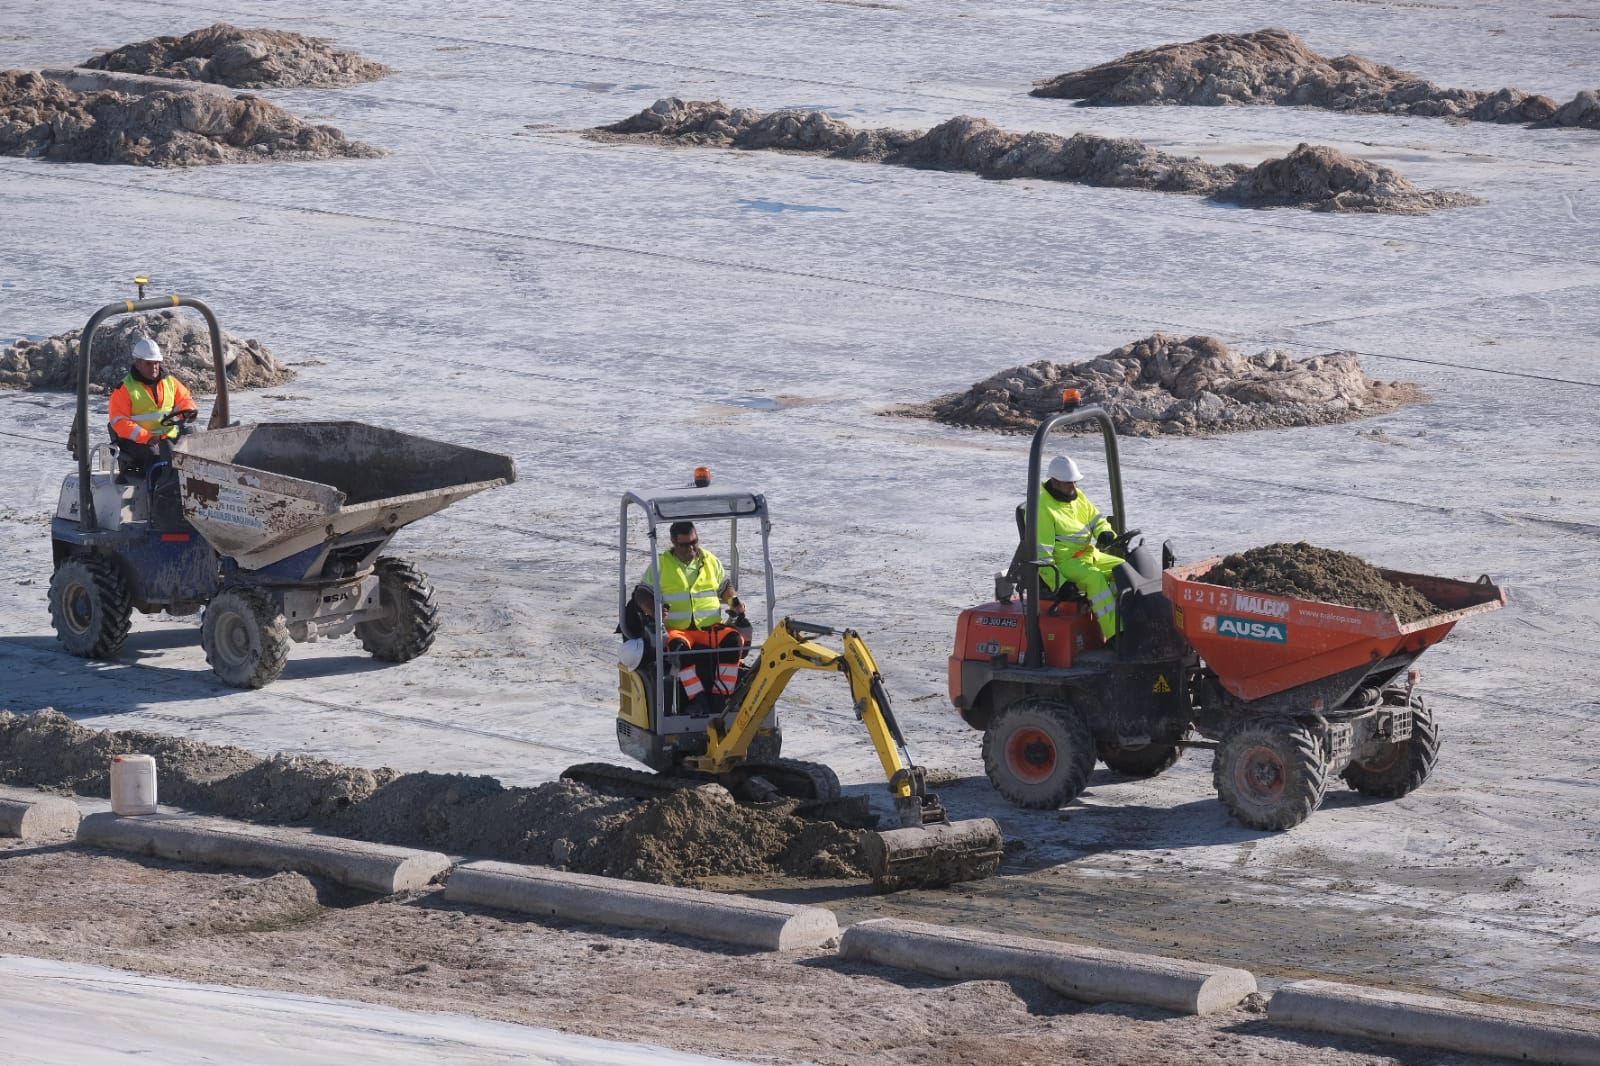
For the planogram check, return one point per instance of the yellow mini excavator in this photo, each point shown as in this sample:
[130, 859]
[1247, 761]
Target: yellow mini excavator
[737, 740]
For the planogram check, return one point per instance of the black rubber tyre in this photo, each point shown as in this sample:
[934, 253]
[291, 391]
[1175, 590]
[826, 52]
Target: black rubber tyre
[245, 638]
[411, 618]
[1038, 753]
[1403, 766]
[1147, 761]
[90, 607]
[1270, 772]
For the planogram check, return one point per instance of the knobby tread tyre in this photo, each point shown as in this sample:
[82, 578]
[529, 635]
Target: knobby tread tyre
[1038, 753]
[1148, 761]
[1406, 766]
[91, 608]
[245, 638]
[1270, 772]
[412, 622]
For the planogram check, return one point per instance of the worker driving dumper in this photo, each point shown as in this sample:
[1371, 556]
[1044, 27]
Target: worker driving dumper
[705, 650]
[149, 406]
[1071, 533]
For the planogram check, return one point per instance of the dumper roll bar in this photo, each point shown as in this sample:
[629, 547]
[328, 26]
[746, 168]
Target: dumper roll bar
[78, 442]
[1034, 655]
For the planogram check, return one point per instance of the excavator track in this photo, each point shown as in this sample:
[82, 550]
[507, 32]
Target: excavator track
[629, 783]
[792, 778]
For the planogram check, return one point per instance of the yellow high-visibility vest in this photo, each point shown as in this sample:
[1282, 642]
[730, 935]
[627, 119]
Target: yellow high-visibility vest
[691, 590]
[1066, 529]
[147, 411]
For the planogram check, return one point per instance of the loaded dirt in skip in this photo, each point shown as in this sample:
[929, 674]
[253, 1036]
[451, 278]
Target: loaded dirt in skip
[52, 363]
[1166, 384]
[1312, 176]
[1274, 66]
[691, 836]
[1307, 572]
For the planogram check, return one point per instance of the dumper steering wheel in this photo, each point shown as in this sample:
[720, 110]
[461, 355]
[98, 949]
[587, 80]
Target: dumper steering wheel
[1120, 544]
[182, 419]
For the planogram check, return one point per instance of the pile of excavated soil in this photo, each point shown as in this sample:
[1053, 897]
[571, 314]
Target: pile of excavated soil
[185, 345]
[1319, 178]
[1276, 67]
[1167, 384]
[244, 59]
[1307, 572]
[43, 118]
[684, 838]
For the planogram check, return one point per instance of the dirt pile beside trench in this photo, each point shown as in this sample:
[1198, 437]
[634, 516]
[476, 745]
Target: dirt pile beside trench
[1274, 66]
[185, 345]
[1320, 178]
[1307, 572]
[1182, 385]
[243, 58]
[684, 838]
[40, 118]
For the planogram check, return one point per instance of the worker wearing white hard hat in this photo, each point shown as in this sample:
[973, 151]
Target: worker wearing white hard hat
[1071, 533]
[150, 405]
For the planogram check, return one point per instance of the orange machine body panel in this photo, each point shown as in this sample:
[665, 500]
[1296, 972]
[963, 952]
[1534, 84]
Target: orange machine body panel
[1259, 644]
[998, 633]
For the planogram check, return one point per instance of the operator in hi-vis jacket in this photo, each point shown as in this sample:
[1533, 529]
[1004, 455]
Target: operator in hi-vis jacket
[146, 396]
[1071, 532]
[695, 586]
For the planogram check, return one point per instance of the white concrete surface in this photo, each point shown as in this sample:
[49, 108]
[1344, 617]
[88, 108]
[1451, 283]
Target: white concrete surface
[378, 868]
[1433, 1022]
[1091, 975]
[730, 919]
[63, 1014]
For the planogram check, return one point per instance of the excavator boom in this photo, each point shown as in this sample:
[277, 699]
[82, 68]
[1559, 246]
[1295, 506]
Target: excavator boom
[927, 849]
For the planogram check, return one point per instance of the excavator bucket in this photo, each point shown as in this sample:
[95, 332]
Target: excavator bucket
[933, 855]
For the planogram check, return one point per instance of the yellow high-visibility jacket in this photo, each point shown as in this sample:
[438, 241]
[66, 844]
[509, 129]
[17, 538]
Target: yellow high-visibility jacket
[1067, 530]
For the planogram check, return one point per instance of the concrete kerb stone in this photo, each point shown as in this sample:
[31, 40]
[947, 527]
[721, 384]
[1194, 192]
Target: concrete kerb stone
[1091, 975]
[1433, 1022]
[31, 815]
[754, 923]
[88, 80]
[358, 864]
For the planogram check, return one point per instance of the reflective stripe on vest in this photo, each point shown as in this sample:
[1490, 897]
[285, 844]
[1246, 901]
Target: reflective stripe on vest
[148, 410]
[690, 591]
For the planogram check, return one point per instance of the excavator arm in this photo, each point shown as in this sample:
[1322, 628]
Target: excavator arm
[788, 650]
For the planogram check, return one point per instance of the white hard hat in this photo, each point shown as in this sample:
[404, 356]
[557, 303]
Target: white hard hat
[1064, 469]
[146, 350]
[631, 654]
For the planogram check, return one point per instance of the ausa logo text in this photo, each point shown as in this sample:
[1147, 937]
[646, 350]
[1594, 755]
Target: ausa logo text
[1250, 629]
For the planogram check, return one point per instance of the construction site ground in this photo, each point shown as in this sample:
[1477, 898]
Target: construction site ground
[614, 315]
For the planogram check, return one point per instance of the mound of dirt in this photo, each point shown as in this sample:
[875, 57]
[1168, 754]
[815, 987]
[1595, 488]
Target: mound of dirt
[1319, 178]
[185, 344]
[684, 838]
[1168, 384]
[244, 59]
[1325, 179]
[1276, 67]
[43, 118]
[1307, 572]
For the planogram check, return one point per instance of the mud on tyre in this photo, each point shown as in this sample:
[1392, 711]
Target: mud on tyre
[1038, 753]
[90, 606]
[411, 617]
[1270, 772]
[245, 637]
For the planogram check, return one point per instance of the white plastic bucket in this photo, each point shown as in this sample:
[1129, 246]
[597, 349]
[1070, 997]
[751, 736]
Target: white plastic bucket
[133, 784]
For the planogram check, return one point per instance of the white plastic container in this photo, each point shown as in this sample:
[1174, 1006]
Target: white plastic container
[133, 784]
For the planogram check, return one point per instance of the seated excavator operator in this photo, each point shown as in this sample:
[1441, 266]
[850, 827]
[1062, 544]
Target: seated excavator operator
[706, 650]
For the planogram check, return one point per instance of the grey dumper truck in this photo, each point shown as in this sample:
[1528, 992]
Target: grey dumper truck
[276, 530]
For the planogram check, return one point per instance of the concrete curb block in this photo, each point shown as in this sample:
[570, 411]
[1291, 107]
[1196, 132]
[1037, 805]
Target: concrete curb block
[754, 923]
[1092, 975]
[188, 838]
[30, 815]
[87, 80]
[1433, 1022]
